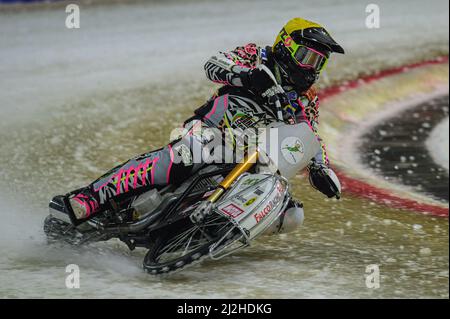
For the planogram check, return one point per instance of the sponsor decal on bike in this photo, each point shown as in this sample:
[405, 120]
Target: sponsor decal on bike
[232, 210]
[271, 205]
[250, 201]
[250, 181]
[239, 199]
[292, 149]
[258, 192]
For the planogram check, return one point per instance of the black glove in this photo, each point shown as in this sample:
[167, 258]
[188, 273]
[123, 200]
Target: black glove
[257, 80]
[325, 180]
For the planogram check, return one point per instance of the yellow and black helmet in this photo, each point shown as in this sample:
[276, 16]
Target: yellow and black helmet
[303, 45]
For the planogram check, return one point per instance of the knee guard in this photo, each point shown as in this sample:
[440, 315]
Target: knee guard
[288, 221]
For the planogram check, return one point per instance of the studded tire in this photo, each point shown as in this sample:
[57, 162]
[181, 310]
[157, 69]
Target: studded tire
[154, 266]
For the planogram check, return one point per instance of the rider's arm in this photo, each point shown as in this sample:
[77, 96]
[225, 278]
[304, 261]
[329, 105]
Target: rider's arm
[321, 176]
[221, 69]
[229, 67]
[239, 68]
[309, 113]
[321, 156]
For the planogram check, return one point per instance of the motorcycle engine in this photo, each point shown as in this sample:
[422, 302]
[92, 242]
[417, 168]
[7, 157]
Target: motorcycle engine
[146, 203]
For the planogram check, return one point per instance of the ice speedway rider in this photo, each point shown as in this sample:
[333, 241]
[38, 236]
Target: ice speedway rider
[296, 59]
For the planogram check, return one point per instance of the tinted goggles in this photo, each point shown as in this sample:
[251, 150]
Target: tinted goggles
[304, 56]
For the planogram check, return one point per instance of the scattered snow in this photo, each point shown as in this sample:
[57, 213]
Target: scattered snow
[438, 144]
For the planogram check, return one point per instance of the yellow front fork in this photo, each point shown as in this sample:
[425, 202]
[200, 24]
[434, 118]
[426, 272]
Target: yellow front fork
[240, 168]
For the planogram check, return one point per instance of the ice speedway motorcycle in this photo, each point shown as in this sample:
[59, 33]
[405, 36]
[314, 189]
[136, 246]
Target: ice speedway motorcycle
[218, 211]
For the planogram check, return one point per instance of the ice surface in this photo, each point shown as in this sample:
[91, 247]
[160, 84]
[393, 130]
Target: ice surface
[61, 91]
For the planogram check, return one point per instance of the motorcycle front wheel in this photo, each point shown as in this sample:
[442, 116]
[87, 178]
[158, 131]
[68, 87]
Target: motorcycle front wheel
[187, 245]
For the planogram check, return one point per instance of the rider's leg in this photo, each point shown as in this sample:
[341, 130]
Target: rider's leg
[158, 168]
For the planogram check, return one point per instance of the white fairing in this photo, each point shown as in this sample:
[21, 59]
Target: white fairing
[289, 147]
[255, 202]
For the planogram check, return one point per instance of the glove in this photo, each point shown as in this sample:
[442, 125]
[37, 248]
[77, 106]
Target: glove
[257, 80]
[324, 180]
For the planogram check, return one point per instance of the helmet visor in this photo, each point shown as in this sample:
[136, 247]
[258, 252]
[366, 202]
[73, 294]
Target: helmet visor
[309, 58]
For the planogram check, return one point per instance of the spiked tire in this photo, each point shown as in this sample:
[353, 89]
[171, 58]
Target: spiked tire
[187, 246]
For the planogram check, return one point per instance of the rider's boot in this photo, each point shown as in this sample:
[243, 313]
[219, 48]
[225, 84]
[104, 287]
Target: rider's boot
[83, 204]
